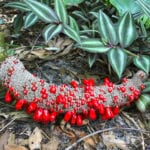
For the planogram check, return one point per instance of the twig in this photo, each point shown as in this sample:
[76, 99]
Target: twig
[100, 131]
[7, 124]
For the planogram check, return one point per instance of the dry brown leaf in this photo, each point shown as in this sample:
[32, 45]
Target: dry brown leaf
[111, 142]
[11, 139]
[3, 140]
[14, 147]
[40, 53]
[52, 144]
[35, 139]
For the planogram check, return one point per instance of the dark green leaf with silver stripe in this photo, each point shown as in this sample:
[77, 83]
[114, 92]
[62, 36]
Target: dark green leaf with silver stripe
[118, 59]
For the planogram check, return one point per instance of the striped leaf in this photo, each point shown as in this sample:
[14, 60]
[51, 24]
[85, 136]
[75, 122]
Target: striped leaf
[73, 2]
[92, 59]
[107, 29]
[94, 46]
[61, 11]
[118, 59]
[126, 30]
[51, 31]
[73, 24]
[143, 102]
[145, 6]
[18, 5]
[43, 12]
[30, 19]
[143, 62]
[147, 87]
[70, 32]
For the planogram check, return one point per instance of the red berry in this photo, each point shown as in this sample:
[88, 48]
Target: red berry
[131, 88]
[108, 112]
[52, 89]
[19, 104]
[85, 82]
[68, 116]
[131, 97]
[122, 89]
[79, 120]
[91, 82]
[92, 114]
[102, 98]
[43, 91]
[34, 88]
[45, 116]
[37, 116]
[101, 109]
[74, 84]
[25, 91]
[31, 107]
[73, 119]
[124, 80]
[16, 94]
[142, 86]
[60, 99]
[110, 89]
[116, 110]
[44, 95]
[52, 116]
[8, 97]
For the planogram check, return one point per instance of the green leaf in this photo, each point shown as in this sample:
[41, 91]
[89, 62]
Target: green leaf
[107, 29]
[147, 87]
[80, 15]
[143, 102]
[140, 105]
[94, 46]
[43, 12]
[73, 24]
[73, 2]
[18, 5]
[92, 59]
[126, 30]
[145, 6]
[70, 32]
[126, 6]
[61, 11]
[143, 62]
[51, 31]
[18, 23]
[118, 60]
[30, 19]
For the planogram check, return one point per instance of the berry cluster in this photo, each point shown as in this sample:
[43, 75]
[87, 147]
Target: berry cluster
[75, 101]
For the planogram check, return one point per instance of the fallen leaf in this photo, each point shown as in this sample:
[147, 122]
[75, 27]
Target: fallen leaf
[52, 144]
[11, 139]
[3, 139]
[14, 147]
[111, 142]
[35, 139]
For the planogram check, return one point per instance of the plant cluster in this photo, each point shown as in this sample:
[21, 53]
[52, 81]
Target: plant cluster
[115, 36]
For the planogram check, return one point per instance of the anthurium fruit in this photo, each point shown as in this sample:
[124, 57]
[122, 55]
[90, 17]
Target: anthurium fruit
[31, 107]
[92, 114]
[37, 116]
[68, 116]
[52, 116]
[19, 104]
[109, 113]
[73, 119]
[8, 97]
[79, 120]
[45, 116]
